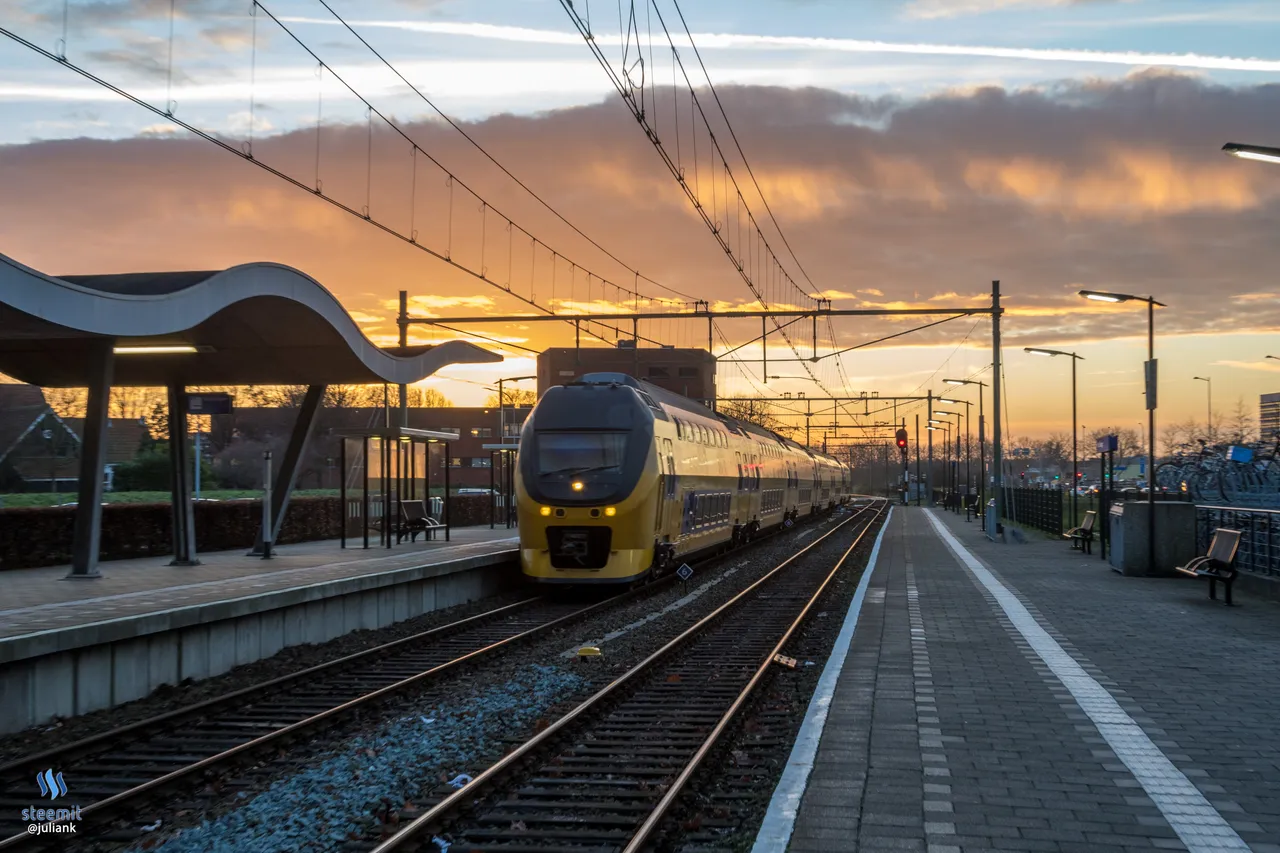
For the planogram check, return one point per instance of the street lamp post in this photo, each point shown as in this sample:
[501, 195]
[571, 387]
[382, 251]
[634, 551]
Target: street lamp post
[982, 450]
[968, 477]
[502, 406]
[943, 426]
[955, 479]
[1209, 419]
[1075, 454]
[1150, 376]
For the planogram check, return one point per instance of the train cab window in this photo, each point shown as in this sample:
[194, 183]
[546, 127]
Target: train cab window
[562, 452]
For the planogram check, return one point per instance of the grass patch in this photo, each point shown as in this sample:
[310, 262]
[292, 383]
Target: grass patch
[51, 499]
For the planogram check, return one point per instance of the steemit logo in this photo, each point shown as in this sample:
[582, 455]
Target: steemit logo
[51, 784]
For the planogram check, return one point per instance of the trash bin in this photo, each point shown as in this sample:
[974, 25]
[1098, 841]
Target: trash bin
[1175, 537]
[1115, 539]
[992, 523]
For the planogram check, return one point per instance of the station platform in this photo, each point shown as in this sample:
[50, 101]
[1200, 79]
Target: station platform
[987, 696]
[72, 646]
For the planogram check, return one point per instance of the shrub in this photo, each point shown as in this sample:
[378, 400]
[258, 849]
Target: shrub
[41, 536]
[149, 472]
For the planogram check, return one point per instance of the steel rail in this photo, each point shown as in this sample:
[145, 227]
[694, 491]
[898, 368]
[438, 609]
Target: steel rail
[311, 722]
[676, 787]
[176, 776]
[114, 736]
[446, 808]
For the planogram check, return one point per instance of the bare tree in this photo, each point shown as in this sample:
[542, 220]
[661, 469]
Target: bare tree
[133, 403]
[1129, 442]
[513, 397]
[67, 402]
[1240, 427]
[751, 410]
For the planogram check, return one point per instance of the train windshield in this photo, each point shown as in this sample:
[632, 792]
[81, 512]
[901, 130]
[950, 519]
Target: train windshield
[572, 452]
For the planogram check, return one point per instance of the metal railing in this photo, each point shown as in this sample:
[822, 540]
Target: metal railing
[1260, 535]
[1038, 508]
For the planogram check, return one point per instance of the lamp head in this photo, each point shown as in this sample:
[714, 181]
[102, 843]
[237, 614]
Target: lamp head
[1252, 152]
[1100, 296]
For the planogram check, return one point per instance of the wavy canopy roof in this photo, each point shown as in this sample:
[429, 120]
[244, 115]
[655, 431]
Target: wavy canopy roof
[253, 324]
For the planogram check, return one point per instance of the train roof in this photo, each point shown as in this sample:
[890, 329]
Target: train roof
[651, 393]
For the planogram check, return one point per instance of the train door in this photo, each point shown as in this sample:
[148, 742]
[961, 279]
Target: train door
[671, 485]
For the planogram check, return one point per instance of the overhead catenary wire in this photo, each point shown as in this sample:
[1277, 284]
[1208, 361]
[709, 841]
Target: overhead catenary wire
[317, 190]
[391, 67]
[734, 136]
[626, 91]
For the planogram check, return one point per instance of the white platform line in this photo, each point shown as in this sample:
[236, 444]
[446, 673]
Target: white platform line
[1198, 824]
[780, 819]
[267, 576]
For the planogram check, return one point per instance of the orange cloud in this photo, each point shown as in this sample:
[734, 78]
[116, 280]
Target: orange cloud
[1127, 184]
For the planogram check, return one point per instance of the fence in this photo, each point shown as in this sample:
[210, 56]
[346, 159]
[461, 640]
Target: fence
[1038, 508]
[1260, 540]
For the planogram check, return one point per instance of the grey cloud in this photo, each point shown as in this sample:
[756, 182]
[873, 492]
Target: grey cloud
[1101, 185]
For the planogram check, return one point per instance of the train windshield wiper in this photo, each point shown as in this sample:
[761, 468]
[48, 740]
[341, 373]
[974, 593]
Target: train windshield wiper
[577, 469]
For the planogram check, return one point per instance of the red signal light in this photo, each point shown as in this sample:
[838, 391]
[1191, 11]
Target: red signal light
[901, 437]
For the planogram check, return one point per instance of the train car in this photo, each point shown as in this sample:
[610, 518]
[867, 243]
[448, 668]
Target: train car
[619, 480]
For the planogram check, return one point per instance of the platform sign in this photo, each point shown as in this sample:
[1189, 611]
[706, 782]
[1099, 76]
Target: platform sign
[1108, 444]
[684, 572]
[209, 403]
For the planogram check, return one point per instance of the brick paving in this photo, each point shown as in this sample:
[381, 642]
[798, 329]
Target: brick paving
[40, 599]
[949, 732]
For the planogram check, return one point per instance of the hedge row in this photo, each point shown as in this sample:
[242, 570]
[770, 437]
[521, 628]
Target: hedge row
[41, 536]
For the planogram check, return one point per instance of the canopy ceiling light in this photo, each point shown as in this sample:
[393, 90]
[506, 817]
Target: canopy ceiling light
[160, 349]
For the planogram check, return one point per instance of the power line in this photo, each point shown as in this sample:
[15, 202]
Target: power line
[626, 88]
[317, 191]
[697, 53]
[494, 160]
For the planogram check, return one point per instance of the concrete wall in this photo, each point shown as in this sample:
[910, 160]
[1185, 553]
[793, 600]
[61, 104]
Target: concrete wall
[74, 671]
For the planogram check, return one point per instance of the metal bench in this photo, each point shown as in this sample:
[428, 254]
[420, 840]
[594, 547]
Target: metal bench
[415, 519]
[1219, 564]
[1082, 537]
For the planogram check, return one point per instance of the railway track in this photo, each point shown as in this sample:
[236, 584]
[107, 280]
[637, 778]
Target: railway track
[609, 775]
[119, 769]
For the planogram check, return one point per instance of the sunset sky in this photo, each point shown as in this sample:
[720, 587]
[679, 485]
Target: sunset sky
[911, 150]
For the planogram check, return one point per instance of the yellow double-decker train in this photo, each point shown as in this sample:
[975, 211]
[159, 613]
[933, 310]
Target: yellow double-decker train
[619, 480]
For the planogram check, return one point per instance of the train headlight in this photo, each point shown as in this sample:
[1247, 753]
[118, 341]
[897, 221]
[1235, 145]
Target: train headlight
[611, 510]
[577, 485]
[544, 510]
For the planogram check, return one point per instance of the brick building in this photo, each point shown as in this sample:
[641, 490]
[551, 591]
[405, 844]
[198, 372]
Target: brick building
[689, 372]
[40, 452]
[237, 440]
[1268, 417]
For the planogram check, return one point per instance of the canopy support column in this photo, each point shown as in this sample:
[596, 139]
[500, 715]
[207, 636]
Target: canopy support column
[184, 517]
[93, 456]
[282, 488]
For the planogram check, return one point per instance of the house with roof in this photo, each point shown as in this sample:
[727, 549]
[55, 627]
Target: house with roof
[40, 451]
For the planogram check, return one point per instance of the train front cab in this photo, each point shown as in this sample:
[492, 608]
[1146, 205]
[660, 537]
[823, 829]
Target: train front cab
[610, 543]
[588, 491]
